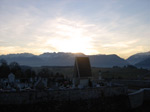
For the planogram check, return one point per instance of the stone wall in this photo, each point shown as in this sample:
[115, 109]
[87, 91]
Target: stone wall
[102, 98]
[30, 97]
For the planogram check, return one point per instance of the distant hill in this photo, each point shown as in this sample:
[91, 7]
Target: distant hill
[144, 64]
[63, 59]
[23, 59]
[18, 55]
[139, 57]
[107, 61]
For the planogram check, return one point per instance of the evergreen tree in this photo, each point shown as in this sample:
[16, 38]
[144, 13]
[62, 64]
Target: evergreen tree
[4, 69]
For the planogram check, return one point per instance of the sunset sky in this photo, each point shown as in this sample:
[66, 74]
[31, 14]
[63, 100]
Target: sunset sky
[119, 27]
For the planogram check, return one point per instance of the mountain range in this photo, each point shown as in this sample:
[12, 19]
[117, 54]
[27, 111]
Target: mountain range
[67, 59]
[136, 58]
[141, 60]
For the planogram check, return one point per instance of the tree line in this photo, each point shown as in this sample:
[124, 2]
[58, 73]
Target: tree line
[22, 72]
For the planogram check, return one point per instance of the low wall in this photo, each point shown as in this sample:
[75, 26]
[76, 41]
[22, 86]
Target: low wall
[133, 83]
[30, 97]
[103, 97]
[137, 98]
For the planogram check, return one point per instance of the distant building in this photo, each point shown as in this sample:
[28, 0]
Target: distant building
[82, 72]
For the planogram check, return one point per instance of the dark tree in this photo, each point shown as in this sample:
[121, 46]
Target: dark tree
[131, 67]
[4, 69]
[29, 73]
[3, 62]
[16, 69]
[44, 72]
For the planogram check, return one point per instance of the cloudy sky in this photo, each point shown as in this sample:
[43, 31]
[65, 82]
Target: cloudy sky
[119, 27]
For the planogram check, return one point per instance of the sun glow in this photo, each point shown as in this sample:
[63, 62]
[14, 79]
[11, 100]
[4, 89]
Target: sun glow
[71, 37]
[73, 45]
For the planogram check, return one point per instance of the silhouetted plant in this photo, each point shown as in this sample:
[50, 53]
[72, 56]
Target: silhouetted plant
[4, 69]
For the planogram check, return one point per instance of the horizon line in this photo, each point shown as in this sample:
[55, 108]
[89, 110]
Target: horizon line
[72, 53]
